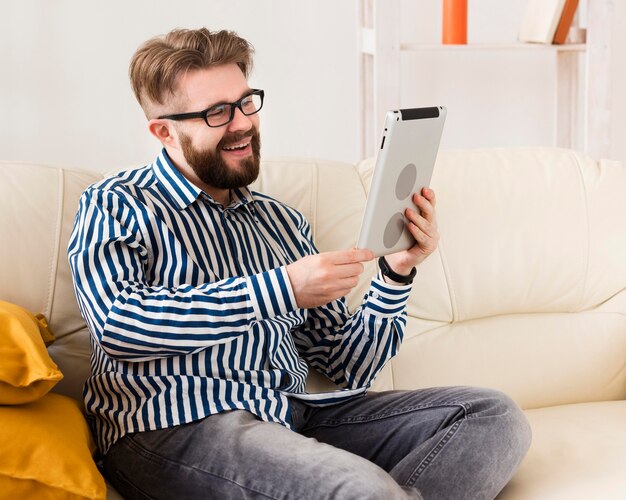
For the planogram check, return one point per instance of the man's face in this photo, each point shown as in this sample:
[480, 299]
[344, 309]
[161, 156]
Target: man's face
[225, 157]
[213, 169]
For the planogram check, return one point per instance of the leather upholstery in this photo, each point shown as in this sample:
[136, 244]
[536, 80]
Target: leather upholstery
[526, 292]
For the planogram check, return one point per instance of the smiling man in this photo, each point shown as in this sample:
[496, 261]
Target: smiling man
[207, 303]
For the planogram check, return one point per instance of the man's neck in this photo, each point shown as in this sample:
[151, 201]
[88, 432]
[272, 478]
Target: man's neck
[221, 196]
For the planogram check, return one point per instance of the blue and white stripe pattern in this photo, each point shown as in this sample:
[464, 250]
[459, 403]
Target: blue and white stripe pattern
[191, 311]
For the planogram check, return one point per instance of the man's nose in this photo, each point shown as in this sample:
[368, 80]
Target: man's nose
[240, 122]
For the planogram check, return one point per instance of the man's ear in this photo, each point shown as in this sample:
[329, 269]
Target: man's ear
[163, 131]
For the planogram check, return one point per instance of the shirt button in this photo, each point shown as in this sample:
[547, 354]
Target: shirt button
[375, 295]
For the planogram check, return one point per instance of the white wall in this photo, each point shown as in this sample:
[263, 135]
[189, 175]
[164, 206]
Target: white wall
[65, 97]
[64, 91]
[494, 98]
[618, 82]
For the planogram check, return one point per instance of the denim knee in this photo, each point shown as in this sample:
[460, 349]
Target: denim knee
[511, 424]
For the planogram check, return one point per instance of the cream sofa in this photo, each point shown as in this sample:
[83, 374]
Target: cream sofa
[526, 293]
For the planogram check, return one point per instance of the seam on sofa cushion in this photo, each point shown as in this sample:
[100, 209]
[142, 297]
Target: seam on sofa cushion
[54, 261]
[446, 273]
[312, 217]
[585, 197]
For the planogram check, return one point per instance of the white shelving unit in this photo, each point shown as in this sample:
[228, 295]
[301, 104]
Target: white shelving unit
[380, 74]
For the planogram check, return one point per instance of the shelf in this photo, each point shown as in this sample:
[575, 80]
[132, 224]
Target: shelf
[368, 44]
[582, 107]
[417, 47]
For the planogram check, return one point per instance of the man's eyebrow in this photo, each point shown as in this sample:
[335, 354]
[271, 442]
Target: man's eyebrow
[220, 103]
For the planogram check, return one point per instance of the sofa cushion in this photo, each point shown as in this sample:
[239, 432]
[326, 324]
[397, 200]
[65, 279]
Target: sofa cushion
[538, 359]
[26, 371]
[47, 451]
[578, 451]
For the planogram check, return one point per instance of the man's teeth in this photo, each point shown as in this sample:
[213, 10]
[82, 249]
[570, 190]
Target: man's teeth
[236, 146]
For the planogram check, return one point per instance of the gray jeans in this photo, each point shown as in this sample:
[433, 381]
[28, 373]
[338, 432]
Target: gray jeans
[453, 442]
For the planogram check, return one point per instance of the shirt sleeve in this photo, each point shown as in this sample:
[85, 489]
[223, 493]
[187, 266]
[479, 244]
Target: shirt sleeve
[137, 322]
[352, 349]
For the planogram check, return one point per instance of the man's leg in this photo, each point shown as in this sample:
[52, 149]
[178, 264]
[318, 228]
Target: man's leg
[235, 455]
[453, 442]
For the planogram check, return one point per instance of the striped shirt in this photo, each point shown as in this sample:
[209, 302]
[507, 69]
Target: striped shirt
[191, 311]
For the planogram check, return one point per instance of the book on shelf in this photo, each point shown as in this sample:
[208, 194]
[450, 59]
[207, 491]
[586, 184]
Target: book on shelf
[565, 23]
[541, 20]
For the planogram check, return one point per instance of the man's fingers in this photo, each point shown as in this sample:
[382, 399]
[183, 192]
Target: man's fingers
[421, 222]
[348, 283]
[349, 270]
[429, 194]
[420, 236]
[350, 256]
[426, 207]
[319, 279]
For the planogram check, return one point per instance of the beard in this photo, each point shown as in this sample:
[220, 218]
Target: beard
[211, 168]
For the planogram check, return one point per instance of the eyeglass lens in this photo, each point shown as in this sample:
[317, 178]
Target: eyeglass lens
[223, 113]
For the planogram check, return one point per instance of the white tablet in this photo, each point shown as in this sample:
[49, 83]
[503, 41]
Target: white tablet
[404, 166]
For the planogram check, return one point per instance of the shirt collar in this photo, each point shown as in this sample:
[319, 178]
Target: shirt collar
[240, 197]
[183, 192]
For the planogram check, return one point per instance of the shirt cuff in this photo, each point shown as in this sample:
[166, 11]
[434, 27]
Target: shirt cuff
[271, 293]
[384, 299]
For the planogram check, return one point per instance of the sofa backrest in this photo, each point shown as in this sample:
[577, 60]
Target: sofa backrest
[526, 293]
[38, 204]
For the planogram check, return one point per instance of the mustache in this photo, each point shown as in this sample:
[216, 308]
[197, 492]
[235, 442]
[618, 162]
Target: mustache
[236, 137]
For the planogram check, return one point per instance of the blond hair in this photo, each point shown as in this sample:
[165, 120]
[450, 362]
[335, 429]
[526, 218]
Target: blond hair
[156, 65]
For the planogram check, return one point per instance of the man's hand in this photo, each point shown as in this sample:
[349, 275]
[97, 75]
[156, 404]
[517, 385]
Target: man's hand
[319, 279]
[423, 228]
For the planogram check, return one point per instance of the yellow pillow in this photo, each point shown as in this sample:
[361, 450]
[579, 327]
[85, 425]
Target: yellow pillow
[26, 370]
[44, 329]
[47, 451]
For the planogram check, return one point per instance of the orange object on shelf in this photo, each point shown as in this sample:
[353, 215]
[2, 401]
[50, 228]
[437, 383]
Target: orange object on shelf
[454, 22]
[565, 22]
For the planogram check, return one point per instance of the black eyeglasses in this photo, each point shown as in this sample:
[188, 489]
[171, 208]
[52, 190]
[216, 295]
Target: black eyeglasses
[221, 114]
